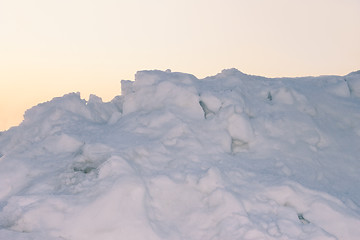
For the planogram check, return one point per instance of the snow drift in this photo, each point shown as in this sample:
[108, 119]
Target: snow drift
[231, 156]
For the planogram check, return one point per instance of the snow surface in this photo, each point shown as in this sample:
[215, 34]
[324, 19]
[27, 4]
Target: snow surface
[231, 156]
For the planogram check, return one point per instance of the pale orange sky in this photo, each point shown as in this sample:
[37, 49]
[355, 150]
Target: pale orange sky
[52, 47]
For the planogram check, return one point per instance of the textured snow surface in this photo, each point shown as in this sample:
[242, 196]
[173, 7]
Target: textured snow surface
[231, 156]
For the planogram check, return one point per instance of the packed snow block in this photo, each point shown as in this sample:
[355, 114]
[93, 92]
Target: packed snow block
[155, 90]
[210, 104]
[49, 118]
[240, 131]
[233, 129]
[102, 112]
[126, 87]
[118, 102]
[233, 76]
[56, 108]
[184, 98]
[146, 78]
[71, 107]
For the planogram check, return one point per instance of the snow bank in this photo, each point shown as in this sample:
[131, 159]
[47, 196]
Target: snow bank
[232, 156]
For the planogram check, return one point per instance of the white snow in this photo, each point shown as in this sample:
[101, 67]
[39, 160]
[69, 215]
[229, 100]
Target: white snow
[231, 156]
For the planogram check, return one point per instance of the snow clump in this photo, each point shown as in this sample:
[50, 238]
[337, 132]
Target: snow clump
[232, 156]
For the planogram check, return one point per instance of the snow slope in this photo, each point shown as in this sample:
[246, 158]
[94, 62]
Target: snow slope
[231, 156]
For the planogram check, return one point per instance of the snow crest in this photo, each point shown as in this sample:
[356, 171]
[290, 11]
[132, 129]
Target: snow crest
[232, 156]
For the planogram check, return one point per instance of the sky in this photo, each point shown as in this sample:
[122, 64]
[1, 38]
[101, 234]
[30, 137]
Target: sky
[52, 47]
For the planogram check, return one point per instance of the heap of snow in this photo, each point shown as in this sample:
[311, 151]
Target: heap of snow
[231, 156]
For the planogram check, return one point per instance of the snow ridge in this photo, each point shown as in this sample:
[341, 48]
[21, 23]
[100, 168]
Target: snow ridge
[232, 156]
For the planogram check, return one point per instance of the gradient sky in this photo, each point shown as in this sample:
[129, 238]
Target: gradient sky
[52, 47]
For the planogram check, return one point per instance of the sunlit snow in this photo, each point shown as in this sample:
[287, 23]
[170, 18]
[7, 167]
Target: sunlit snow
[232, 156]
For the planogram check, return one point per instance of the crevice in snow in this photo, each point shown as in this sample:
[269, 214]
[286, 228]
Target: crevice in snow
[207, 112]
[84, 169]
[347, 84]
[302, 219]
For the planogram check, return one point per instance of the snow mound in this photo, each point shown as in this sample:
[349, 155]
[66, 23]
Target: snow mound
[232, 156]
